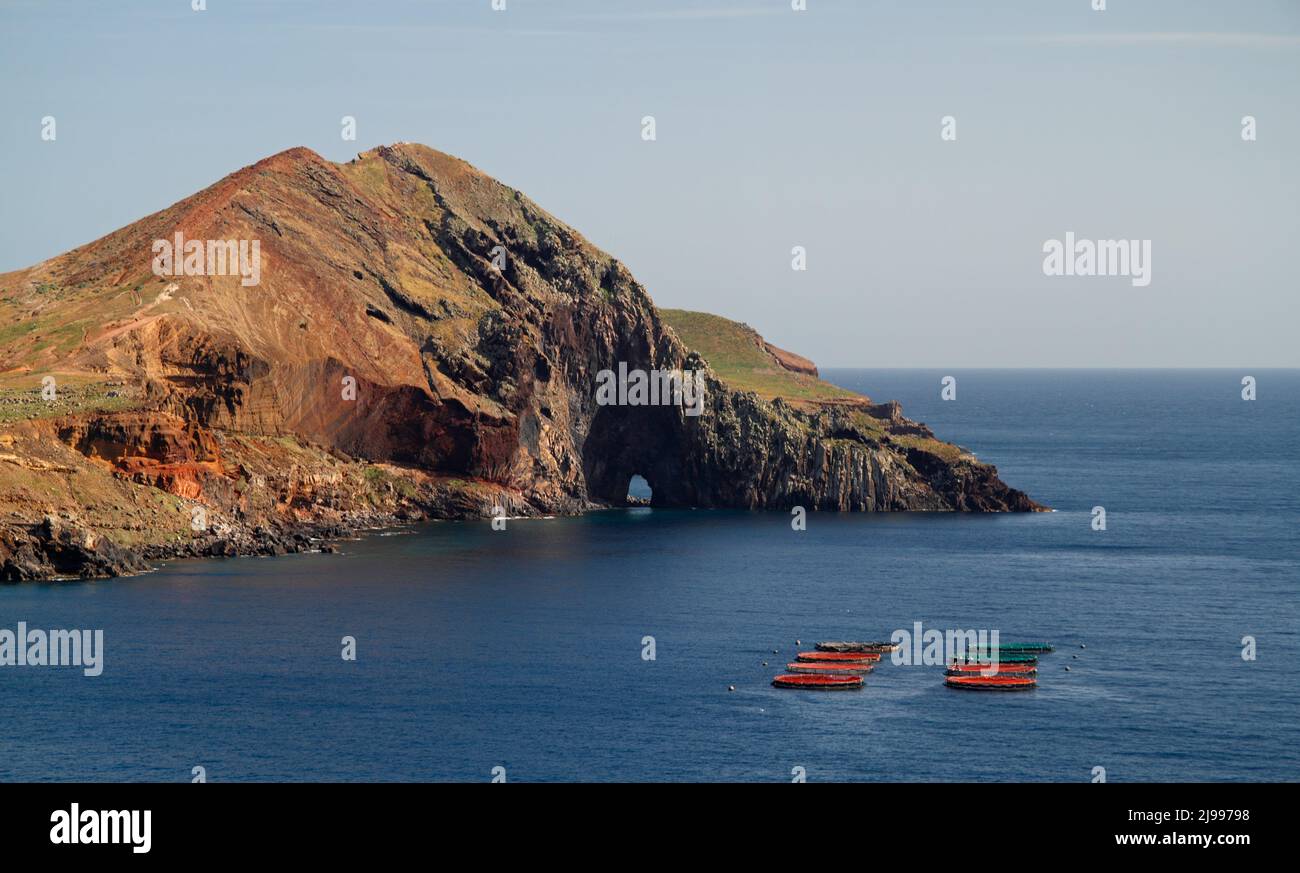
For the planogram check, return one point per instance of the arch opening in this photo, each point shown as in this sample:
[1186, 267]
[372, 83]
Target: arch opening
[639, 492]
[643, 441]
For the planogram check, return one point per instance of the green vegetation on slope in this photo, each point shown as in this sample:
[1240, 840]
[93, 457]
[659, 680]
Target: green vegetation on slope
[734, 352]
[22, 398]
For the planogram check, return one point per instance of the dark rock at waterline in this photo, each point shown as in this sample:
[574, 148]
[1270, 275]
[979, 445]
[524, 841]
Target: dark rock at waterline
[62, 549]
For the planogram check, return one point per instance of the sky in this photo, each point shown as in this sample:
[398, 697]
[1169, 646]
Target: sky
[774, 128]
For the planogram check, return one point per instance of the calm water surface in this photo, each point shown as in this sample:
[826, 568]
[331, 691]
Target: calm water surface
[522, 649]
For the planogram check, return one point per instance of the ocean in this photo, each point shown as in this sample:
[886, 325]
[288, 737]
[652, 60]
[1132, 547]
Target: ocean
[525, 653]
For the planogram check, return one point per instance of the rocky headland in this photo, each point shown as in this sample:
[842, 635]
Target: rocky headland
[422, 342]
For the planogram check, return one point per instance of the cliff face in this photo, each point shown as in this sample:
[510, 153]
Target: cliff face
[422, 341]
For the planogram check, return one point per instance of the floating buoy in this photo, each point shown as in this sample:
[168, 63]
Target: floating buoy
[816, 682]
[798, 642]
[731, 687]
[1067, 668]
[1082, 646]
[991, 683]
[765, 663]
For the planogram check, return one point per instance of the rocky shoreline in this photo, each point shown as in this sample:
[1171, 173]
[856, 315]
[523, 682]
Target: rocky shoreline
[56, 551]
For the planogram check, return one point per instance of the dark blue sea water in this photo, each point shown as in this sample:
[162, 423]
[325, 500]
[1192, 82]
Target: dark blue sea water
[523, 649]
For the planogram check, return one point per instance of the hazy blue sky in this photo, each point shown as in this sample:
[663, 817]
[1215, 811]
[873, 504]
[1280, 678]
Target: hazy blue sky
[775, 129]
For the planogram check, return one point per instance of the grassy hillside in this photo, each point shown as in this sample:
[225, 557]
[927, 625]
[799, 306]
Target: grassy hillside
[736, 353]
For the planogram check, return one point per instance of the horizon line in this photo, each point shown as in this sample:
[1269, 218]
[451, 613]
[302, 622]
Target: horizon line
[1226, 369]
